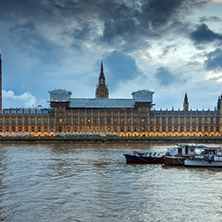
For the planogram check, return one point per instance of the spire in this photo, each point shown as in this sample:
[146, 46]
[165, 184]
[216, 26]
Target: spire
[101, 66]
[185, 103]
[102, 90]
[186, 99]
[101, 72]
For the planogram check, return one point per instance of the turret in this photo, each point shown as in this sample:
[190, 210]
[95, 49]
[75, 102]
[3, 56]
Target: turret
[218, 103]
[185, 103]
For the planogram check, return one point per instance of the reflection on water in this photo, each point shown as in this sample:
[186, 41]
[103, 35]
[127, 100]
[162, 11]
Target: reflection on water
[93, 183]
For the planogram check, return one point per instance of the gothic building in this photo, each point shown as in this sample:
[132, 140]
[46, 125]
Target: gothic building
[108, 116]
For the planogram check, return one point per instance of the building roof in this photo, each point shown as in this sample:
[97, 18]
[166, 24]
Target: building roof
[102, 103]
[143, 96]
[59, 95]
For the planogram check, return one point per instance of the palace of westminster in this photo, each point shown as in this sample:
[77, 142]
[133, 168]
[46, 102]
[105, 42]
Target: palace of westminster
[104, 116]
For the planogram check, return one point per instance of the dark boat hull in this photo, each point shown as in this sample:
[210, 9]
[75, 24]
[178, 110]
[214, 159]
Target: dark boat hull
[174, 160]
[143, 159]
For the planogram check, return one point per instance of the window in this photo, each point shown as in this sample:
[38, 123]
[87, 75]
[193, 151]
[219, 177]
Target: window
[115, 112]
[163, 120]
[175, 119]
[181, 120]
[170, 119]
[188, 120]
[81, 112]
[95, 112]
[7, 120]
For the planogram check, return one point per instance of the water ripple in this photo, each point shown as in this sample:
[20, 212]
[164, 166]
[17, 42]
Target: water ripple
[93, 183]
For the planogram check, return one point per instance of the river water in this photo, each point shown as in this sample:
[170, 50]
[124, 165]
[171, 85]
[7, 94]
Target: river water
[60, 182]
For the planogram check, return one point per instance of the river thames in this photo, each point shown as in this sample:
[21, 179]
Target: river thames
[92, 182]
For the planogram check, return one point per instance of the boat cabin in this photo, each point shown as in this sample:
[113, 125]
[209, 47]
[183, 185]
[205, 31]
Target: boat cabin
[184, 149]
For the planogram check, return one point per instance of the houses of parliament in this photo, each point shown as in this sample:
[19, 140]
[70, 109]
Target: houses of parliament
[108, 116]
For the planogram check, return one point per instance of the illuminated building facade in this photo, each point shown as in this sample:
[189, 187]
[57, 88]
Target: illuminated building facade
[106, 116]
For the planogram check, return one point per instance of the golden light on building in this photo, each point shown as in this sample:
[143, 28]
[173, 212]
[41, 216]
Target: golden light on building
[135, 117]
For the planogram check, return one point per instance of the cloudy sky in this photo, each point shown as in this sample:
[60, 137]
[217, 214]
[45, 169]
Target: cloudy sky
[166, 46]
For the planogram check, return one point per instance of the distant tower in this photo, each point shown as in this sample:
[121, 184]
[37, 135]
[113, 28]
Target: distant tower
[0, 82]
[218, 103]
[102, 90]
[185, 103]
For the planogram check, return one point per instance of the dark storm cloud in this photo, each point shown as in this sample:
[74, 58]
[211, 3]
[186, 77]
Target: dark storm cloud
[204, 35]
[213, 61]
[121, 69]
[166, 78]
[144, 20]
[126, 24]
[158, 13]
[210, 19]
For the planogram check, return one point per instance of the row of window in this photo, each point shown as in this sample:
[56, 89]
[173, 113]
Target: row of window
[109, 120]
[26, 120]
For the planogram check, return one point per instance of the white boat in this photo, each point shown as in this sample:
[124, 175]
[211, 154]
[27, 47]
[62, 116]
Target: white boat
[177, 155]
[209, 157]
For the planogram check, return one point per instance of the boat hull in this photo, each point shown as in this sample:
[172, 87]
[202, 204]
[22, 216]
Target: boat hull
[202, 163]
[143, 159]
[174, 160]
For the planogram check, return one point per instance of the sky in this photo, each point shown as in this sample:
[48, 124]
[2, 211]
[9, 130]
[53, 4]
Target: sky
[170, 47]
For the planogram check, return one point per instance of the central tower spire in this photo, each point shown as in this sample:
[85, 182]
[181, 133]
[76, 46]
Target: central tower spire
[102, 90]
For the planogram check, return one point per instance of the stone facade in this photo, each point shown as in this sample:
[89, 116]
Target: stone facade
[122, 117]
